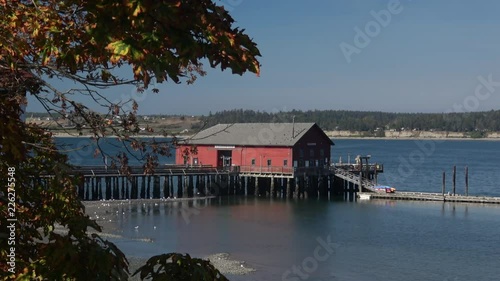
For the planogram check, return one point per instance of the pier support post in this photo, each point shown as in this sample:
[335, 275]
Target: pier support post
[296, 194]
[179, 187]
[156, 187]
[135, 188]
[166, 187]
[323, 186]
[272, 191]
[256, 191]
[81, 188]
[116, 190]
[444, 183]
[123, 189]
[360, 184]
[107, 181]
[241, 188]
[454, 180]
[148, 190]
[190, 186]
[466, 181]
[288, 193]
[143, 187]
[87, 188]
[232, 186]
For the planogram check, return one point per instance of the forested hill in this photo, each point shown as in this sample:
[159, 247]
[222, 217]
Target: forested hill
[368, 121]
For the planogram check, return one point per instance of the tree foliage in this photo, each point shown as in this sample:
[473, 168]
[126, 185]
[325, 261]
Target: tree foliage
[178, 267]
[366, 121]
[86, 42]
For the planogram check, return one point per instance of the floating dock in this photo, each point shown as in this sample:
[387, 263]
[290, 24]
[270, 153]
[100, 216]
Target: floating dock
[426, 196]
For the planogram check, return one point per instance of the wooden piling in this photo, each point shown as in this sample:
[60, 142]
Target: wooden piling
[116, 190]
[256, 191]
[107, 183]
[444, 183]
[466, 181]
[134, 193]
[148, 190]
[272, 191]
[166, 187]
[179, 187]
[190, 186]
[156, 187]
[454, 179]
[142, 193]
[360, 184]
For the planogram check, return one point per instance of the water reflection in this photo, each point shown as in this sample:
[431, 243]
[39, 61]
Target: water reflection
[375, 240]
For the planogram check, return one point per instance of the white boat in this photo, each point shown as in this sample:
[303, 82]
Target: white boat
[364, 196]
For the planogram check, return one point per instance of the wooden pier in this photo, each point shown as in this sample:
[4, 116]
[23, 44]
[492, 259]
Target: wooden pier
[426, 196]
[178, 181]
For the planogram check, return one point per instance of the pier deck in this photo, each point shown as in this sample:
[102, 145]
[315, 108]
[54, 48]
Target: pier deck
[426, 196]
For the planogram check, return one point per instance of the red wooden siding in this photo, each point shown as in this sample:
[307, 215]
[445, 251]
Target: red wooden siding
[241, 156]
[312, 149]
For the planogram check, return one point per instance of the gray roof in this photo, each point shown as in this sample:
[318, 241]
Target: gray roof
[253, 134]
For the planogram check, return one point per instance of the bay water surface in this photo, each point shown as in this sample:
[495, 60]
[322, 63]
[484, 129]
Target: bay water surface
[338, 240]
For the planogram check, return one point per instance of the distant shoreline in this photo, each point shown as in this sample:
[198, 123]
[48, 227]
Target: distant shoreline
[68, 135]
[337, 135]
[414, 138]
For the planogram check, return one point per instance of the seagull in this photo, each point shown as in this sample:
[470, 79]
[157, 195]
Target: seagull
[154, 227]
[136, 227]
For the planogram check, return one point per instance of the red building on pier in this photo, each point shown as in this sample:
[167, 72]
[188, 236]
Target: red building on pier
[258, 146]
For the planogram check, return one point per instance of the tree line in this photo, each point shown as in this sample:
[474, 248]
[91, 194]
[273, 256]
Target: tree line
[367, 120]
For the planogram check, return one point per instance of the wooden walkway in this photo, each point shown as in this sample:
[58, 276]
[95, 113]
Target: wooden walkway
[425, 196]
[367, 185]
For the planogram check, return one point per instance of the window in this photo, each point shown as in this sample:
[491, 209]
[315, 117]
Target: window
[268, 162]
[253, 162]
[295, 163]
[311, 152]
[301, 152]
[285, 162]
[195, 161]
[322, 152]
[307, 163]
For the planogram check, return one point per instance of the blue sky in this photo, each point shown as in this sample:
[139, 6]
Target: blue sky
[427, 58]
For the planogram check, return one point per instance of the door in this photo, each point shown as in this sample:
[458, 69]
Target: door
[224, 158]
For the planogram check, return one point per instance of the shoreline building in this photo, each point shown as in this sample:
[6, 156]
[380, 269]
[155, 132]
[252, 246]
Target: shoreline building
[263, 147]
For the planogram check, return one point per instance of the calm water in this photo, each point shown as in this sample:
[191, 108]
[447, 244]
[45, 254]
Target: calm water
[374, 240]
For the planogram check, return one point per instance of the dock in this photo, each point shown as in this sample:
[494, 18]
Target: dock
[427, 196]
[181, 181]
